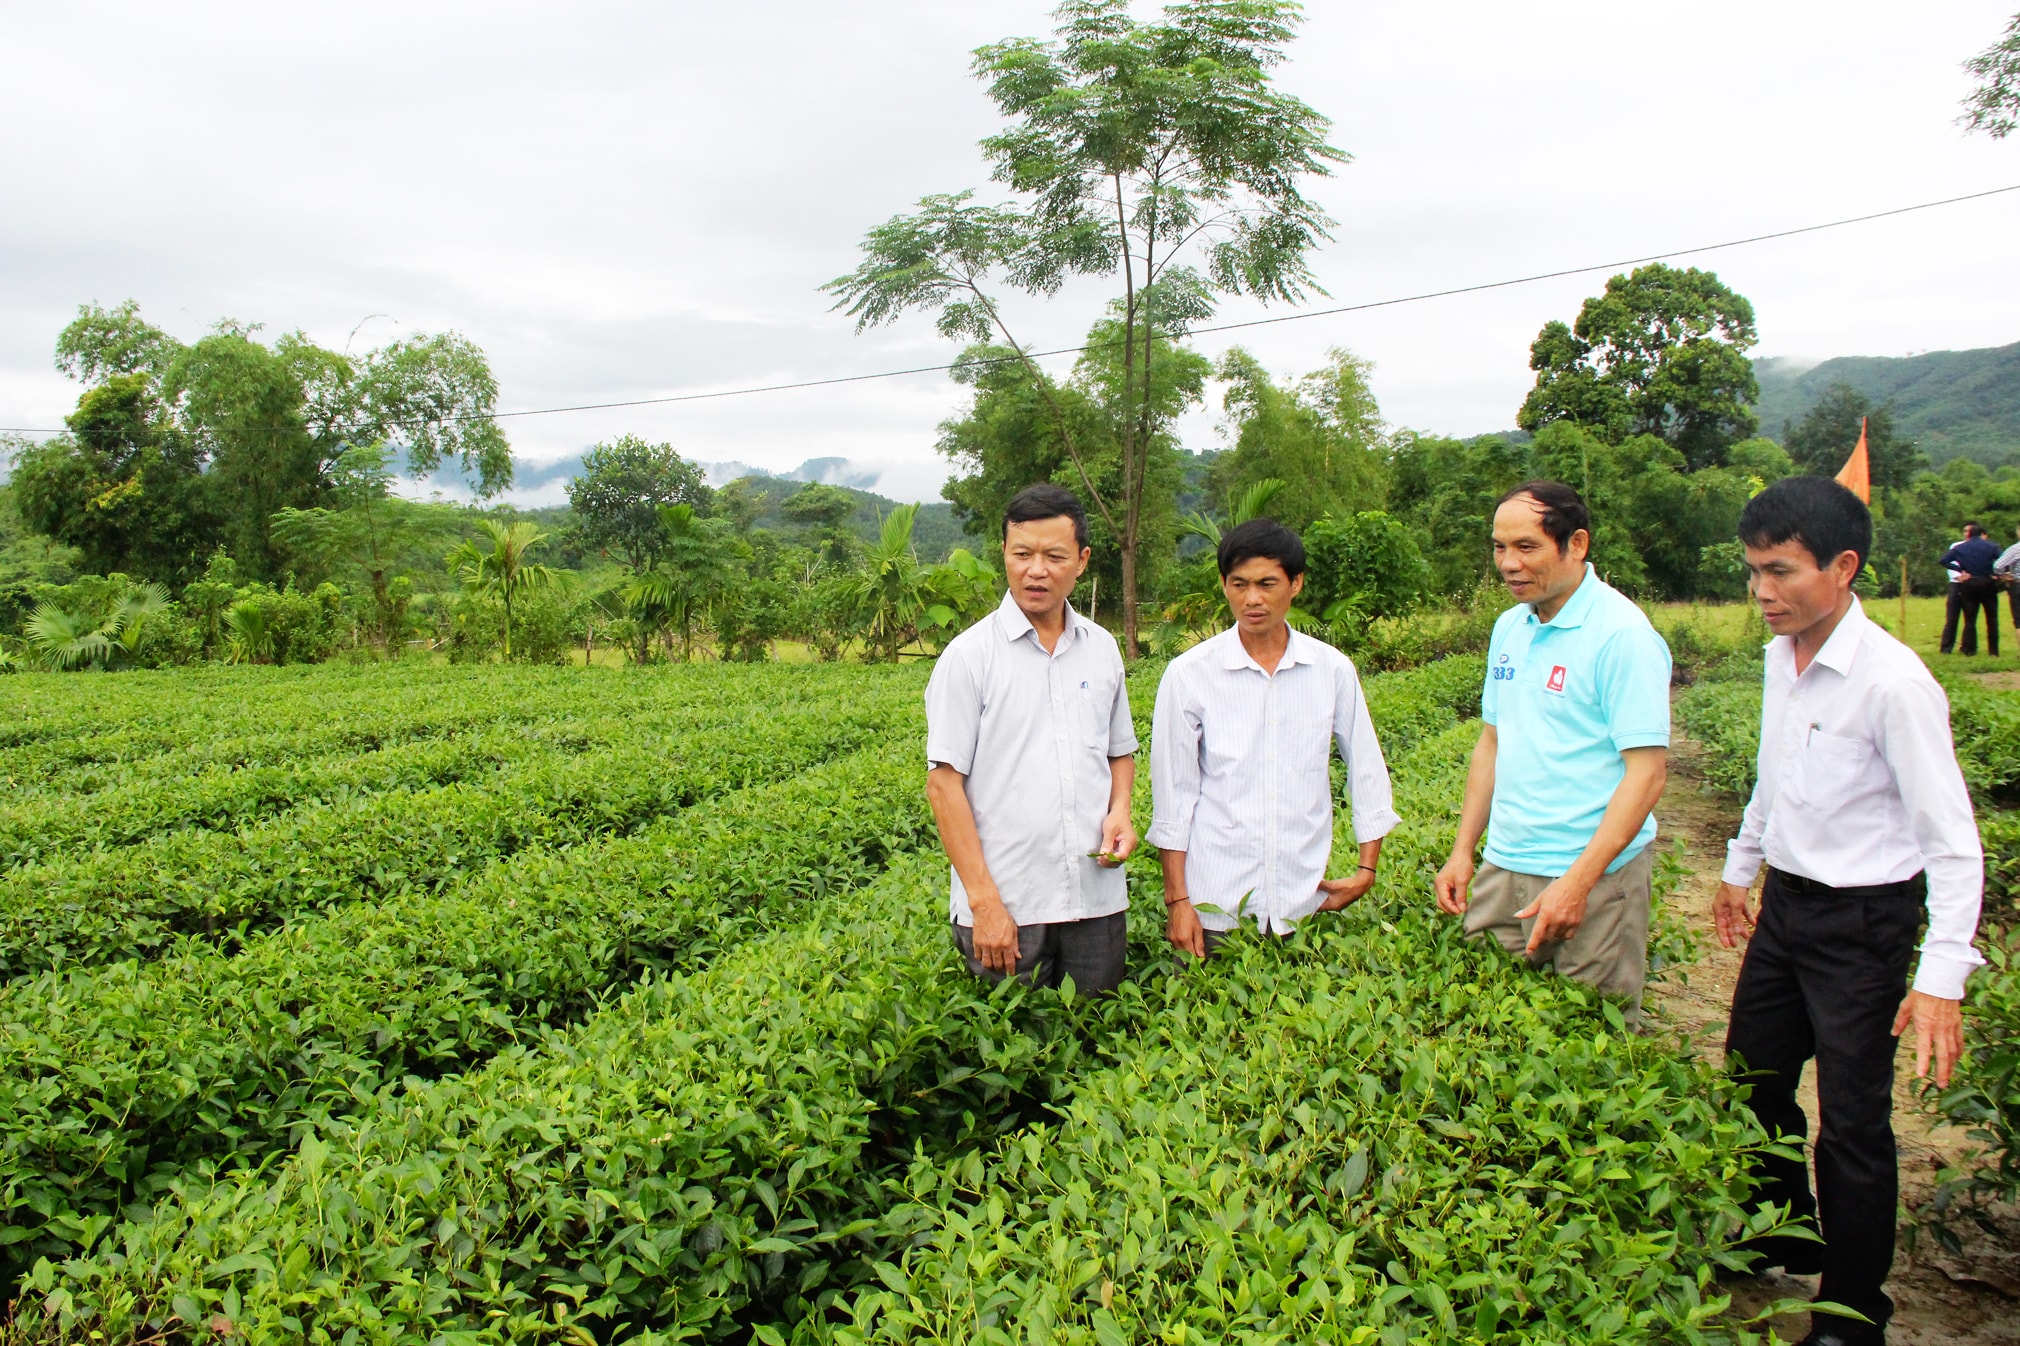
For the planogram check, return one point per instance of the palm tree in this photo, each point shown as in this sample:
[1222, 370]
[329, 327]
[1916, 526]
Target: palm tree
[71, 640]
[504, 569]
[694, 569]
[890, 592]
[1203, 609]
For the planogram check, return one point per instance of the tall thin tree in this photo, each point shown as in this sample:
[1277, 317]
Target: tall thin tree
[1156, 152]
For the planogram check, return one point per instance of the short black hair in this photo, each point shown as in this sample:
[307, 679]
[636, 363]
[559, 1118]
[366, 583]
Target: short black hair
[1974, 530]
[1264, 538]
[1046, 501]
[1563, 510]
[1822, 515]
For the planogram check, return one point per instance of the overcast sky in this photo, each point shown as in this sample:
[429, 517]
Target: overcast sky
[631, 200]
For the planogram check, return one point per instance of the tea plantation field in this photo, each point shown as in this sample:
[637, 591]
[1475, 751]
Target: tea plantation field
[499, 1004]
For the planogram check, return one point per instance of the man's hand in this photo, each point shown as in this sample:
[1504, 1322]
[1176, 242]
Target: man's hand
[995, 935]
[1452, 883]
[1731, 915]
[1559, 910]
[1345, 892]
[1939, 1027]
[1182, 928]
[1118, 839]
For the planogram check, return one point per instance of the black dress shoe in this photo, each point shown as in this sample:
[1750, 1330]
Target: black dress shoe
[1849, 1334]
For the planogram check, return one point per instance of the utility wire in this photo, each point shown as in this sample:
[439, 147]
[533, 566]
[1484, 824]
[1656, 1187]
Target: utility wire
[1218, 327]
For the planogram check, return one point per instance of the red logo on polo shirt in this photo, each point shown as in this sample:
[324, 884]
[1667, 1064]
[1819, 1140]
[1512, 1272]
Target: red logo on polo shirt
[1556, 682]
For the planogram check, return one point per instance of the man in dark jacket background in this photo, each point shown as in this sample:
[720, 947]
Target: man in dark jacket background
[1973, 560]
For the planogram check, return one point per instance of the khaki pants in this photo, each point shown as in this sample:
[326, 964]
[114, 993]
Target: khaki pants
[1610, 950]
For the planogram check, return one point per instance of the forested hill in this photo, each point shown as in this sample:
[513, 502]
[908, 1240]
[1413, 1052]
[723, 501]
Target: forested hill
[934, 534]
[1951, 403]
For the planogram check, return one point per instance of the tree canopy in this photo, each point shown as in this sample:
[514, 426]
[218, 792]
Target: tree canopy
[618, 494]
[175, 449]
[1819, 443]
[1662, 352]
[1994, 104]
[1324, 432]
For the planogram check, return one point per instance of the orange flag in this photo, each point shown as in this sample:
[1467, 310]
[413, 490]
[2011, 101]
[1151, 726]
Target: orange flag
[1856, 475]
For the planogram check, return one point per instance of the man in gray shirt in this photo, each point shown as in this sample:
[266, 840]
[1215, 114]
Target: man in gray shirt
[1031, 759]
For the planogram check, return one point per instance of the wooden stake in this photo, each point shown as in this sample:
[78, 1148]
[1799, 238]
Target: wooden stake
[1904, 596]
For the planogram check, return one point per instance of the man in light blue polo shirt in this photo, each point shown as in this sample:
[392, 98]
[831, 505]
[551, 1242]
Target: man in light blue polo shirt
[1571, 758]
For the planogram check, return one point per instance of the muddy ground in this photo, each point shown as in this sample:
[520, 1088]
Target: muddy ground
[1972, 1300]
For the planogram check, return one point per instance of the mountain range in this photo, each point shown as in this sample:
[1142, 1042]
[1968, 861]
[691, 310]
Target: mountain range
[1953, 404]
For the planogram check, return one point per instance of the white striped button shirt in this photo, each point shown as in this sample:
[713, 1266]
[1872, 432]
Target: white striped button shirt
[1241, 775]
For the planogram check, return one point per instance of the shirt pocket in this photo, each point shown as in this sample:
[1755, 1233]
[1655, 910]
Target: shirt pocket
[1828, 766]
[1306, 744]
[1097, 706]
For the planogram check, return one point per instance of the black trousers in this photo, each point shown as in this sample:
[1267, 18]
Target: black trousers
[1824, 974]
[1093, 952]
[1967, 597]
[2013, 603]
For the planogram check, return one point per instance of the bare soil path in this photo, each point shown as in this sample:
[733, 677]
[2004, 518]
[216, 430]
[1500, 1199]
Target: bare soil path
[1940, 1299]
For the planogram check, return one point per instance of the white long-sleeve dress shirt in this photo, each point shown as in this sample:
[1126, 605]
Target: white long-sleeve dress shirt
[1241, 775]
[1858, 785]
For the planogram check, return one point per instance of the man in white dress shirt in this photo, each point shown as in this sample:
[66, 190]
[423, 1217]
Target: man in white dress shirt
[1031, 757]
[1862, 818]
[1241, 750]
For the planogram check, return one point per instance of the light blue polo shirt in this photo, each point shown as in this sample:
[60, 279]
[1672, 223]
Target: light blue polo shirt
[1566, 697]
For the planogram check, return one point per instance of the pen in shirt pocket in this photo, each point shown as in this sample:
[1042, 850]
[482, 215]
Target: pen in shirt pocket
[1811, 737]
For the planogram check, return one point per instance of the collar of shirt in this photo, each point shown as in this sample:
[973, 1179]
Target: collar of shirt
[1576, 608]
[1235, 655]
[1839, 649]
[1015, 623]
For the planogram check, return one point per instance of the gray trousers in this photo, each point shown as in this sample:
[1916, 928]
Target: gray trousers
[1093, 952]
[1610, 949]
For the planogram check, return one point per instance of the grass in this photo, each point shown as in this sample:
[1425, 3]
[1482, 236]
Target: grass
[1924, 629]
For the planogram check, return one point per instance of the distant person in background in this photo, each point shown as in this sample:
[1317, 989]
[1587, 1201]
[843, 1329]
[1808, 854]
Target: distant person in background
[1573, 754]
[1860, 816]
[1240, 759]
[1971, 563]
[1031, 758]
[2007, 571]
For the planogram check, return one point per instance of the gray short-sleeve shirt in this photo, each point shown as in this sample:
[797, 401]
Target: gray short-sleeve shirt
[1033, 734]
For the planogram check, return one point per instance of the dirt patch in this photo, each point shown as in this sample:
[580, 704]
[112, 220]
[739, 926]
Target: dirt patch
[2006, 681]
[1940, 1298]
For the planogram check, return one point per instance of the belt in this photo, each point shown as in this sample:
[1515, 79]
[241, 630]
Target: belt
[1915, 887]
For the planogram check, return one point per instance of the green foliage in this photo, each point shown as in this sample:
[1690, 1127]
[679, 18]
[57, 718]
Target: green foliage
[1367, 561]
[1951, 403]
[1824, 438]
[175, 449]
[133, 1069]
[1662, 352]
[1985, 1096]
[467, 1114]
[617, 496]
[1323, 432]
[1994, 104]
[125, 487]
[66, 640]
[1445, 490]
[504, 570]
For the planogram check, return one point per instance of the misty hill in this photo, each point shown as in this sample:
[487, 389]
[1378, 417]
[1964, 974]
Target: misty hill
[1952, 403]
[935, 532]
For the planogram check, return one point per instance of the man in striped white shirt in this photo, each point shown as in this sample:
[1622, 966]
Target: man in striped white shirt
[1241, 752]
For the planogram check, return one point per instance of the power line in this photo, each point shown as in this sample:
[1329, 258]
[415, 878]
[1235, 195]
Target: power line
[1218, 327]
